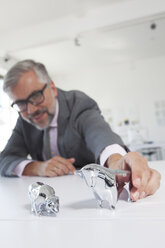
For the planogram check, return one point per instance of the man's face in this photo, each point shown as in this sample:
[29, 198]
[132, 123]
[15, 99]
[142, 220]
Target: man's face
[42, 114]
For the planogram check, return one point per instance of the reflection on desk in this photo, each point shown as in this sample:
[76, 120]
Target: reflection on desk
[80, 223]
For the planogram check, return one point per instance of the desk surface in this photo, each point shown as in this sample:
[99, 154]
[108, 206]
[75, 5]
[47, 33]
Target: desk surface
[80, 222]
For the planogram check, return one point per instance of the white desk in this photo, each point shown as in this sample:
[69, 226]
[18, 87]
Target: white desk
[80, 223]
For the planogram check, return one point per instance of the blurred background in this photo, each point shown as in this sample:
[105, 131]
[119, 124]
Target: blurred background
[113, 50]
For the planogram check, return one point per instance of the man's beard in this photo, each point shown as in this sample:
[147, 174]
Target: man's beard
[40, 111]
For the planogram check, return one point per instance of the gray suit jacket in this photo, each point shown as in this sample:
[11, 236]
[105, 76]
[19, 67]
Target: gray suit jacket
[82, 133]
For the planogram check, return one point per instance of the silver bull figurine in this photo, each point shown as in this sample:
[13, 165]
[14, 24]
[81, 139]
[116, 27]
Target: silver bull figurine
[103, 183]
[43, 199]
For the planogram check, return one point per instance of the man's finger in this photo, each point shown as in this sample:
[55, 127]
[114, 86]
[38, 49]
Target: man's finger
[140, 170]
[65, 162]
[61, 168]
[72, 160]
[52, 164]
[150, 188]
[153, 183]
[58, 171]
[50, 173]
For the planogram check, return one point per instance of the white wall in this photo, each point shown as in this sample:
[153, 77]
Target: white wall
[128, 90]
[132, 90]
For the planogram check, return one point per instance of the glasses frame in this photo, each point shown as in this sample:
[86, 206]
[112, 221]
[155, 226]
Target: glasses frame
[27, 100]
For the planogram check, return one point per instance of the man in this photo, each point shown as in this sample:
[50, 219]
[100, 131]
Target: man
[62, 131]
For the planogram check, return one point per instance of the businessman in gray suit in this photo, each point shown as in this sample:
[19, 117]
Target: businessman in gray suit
[58, 131]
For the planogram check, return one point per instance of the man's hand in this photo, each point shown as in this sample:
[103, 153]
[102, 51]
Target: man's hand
[56, 166]
[144, 181]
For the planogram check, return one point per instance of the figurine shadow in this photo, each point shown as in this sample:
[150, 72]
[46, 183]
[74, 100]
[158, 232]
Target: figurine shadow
[92, 203]
[27, 207]
[85, 204]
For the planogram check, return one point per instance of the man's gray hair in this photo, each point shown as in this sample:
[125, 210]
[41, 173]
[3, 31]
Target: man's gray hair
[13, 75]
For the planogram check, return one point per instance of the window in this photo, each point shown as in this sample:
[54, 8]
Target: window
[7, 117]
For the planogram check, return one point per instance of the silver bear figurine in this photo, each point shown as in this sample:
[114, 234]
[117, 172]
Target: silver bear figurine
[102, 181]
[43, 199]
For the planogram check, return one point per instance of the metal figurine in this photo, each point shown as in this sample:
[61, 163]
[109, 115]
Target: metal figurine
[103, 183]
[43, 199]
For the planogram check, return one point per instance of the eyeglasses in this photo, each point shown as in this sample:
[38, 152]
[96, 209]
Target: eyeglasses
[36, 98]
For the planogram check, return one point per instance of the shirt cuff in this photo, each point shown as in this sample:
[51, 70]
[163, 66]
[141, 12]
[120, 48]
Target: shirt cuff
[18, 170]
[109, 150]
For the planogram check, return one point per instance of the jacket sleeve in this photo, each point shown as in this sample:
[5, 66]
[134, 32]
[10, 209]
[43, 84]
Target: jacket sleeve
[14, 152]
[93, 128]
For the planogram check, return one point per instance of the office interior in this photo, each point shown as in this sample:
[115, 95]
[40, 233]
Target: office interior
[113, 50]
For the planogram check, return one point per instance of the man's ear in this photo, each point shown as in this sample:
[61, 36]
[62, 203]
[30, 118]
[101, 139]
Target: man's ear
[54, 89]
